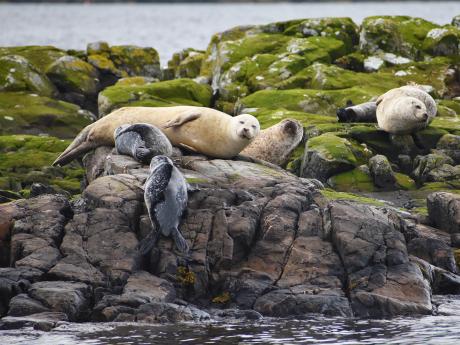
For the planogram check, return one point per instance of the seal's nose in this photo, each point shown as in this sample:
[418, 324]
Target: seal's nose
[425, 116]
[246, 129]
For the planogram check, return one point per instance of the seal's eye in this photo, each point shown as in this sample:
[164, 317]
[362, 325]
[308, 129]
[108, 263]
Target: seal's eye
[242, 122]
[418, 107]
[253, 126]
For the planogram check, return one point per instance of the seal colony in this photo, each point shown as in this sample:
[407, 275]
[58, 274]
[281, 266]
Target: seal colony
[198, 129]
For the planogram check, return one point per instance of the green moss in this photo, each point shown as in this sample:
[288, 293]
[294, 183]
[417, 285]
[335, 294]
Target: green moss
[400, 35]
[442, 41]
[429, 137]
[334, 195]
[25, 159]
[132, 81]
[17, 74]
[135, 61]
[161, 94]
[71, 74]
[405, 182]
[270, 117]
[103, 63]
[39, 56]
[356, 180]
[343, 29]
[186, 63]
[32, 114]
[323, 102]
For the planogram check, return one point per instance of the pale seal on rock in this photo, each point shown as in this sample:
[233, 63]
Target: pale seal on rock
[142, 142]
[405, 110]
[276, 143]
[165, 195]
[199, 129]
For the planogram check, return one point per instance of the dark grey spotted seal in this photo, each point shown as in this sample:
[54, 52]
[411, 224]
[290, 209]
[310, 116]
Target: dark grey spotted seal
[364, 112]
[165, 194]
[141, 141]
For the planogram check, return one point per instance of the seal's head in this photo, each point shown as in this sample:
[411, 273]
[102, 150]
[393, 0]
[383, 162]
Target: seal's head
[416, 108]
[160, 160]
[291, 127]
[246, 126]
[119, 129]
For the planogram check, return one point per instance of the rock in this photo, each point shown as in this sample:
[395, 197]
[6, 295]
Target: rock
[23, 305]
[168, 312]
[327, 155]
[14, 281]
[434, 251]
[22, 113]
[373, 64]
[237, 314]
[136, 61]
[17, 74]
[381, 172]
[100, 47]
[37, 189]
[357, 180]
[76, 79]
[444, 211]
[424, 165]
[71, 298]
[381, 280]
[41, 321]
[445, 172]
[456, 21]
[26, 160]
[449, 145]
[161, 94]
[442, 41]
[186, 63]
[394, 34]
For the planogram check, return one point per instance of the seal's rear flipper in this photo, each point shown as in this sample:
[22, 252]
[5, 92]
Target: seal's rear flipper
[181, 119]
[149, 242]
[78, 147]
[180, 241]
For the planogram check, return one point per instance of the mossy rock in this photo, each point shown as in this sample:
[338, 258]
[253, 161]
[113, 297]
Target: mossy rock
[428, 138]
[136, 61]
[104, 64]
[39, 56]
[25, 159]
[343, 29]
[17, 74]
[23, 113]
[353, 61]
[335, 195]
[71, 74]
[322, 102]
[404, 182]
[161, 94]
[327, 155]
[186, 63]
[134, 81]
[442, 41]
[270, 117]
[356, 180]
[100, 47]
[401, 35]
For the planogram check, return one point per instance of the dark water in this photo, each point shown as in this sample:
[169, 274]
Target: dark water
[172, 27]
[310, 330]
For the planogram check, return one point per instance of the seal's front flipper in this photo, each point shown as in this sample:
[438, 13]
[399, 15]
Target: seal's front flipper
[187, 147]
[144, 154]
[181, 119]
[180, 241]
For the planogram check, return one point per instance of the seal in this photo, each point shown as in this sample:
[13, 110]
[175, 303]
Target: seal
[142, 142]
[364, 112]
[165, 195]
[198, 129]
[405, 110]
[276, 143]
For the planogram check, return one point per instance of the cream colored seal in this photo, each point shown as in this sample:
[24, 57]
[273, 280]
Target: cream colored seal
[405, 110]
[203, 130]
[276, 143]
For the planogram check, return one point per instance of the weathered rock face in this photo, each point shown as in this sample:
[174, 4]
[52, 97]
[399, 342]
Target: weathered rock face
[444, 211]
[260, 239]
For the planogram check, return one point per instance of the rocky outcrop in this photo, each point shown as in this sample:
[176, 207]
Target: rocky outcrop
[261, 239]
[444, 212]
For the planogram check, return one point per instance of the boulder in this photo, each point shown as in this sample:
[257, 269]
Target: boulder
[185, 64]
[161, 94]
[381, 172]
[449, 145]
[442, 41]
[444, 211]
[424, 165]
[328, 154]
[18, 74]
